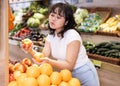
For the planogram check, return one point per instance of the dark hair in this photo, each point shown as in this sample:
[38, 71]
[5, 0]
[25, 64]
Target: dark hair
[68, 14]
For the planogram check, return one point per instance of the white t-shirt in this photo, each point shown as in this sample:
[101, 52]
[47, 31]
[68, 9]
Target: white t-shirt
[59, 45]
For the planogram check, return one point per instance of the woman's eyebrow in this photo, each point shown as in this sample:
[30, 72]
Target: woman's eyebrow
[57, 13]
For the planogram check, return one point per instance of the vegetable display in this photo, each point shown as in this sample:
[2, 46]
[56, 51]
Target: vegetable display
[108, 49]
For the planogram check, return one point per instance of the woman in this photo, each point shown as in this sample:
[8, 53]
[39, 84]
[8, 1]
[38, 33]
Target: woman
[65, 45]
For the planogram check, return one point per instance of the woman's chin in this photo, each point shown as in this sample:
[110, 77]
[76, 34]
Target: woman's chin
[52, 27]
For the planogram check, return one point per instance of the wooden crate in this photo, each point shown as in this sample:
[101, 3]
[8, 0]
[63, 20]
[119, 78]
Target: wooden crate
[104, 59]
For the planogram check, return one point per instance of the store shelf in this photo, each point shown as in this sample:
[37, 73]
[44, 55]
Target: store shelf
[112, 34]
[111, 60]
[97, 38]
[104, 12]
[21, 1]
[117, 34]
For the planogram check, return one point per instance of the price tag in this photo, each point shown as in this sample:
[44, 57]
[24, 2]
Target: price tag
[97, 63]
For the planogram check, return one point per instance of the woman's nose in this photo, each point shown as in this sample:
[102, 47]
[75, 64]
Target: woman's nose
[54, 18]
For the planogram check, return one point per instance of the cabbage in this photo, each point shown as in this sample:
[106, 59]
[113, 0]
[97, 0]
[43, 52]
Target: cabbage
[80, 14]
[78, 18]
[38, 16]
[43, 10]
[33, 22]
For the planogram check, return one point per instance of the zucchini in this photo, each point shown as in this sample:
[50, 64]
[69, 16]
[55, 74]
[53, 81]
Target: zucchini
[103, 49]
[108, 45]
[115, 55]
[117, 47]
[111, 51]
[115, 42]
[92, 50]
[100, 45]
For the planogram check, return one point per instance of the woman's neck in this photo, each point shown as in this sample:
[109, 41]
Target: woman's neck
[58, 32]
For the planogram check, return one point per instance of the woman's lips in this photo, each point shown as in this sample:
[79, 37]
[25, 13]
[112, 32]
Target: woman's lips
[52, 24]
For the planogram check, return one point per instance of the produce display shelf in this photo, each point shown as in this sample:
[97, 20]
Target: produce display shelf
[15, 38]
[104, 12]
[98, 32]
[21, 1]
[111, 60]
[116, 33]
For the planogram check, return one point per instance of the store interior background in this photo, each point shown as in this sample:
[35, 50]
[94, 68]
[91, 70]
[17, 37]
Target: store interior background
[109, 74]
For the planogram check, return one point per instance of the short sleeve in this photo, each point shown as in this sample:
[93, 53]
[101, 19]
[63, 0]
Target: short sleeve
[72, 35]
[48, 38]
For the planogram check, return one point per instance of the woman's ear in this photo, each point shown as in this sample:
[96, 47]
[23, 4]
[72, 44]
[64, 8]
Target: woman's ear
[66, 22]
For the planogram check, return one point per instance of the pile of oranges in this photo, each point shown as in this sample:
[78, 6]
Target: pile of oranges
[43, 75]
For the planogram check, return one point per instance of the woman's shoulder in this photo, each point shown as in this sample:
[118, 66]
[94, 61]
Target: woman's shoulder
[72, 35]
[72, 32]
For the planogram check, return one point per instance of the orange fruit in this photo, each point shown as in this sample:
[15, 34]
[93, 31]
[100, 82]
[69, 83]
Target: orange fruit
[21, 79]
[63, 83]
[74, 82]
[55, 78]
[66, 75]
[37, 56]
[16, 74]
[43, 80]
[30, 81]
[27, 41]
[12, 83]
[20, 67]
[11, 68]
[26, 61]
[53, 85]
[46, 68]
[33, 71]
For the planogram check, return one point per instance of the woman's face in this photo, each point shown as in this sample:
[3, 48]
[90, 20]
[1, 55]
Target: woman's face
[56, 21]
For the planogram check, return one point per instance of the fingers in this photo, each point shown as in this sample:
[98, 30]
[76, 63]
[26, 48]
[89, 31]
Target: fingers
[27, 47]
[45, 59]
[42, 60]
[36, 62]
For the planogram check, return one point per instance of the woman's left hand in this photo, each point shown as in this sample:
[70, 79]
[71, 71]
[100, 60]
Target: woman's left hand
[45, 59]
[42, 60]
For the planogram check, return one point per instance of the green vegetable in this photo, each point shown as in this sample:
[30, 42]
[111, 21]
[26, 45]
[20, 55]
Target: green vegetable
[115, 47]
[78, 18]
[80, 14]
[43, 10]
[33, 22]
[38, 16]
[16, 28]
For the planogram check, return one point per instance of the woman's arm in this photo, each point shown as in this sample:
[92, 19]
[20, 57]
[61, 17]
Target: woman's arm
[46, 49]
[71, 57]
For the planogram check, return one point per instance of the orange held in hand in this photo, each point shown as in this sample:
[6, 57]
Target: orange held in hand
[37, 56]
[26, 44]
[27, 41]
